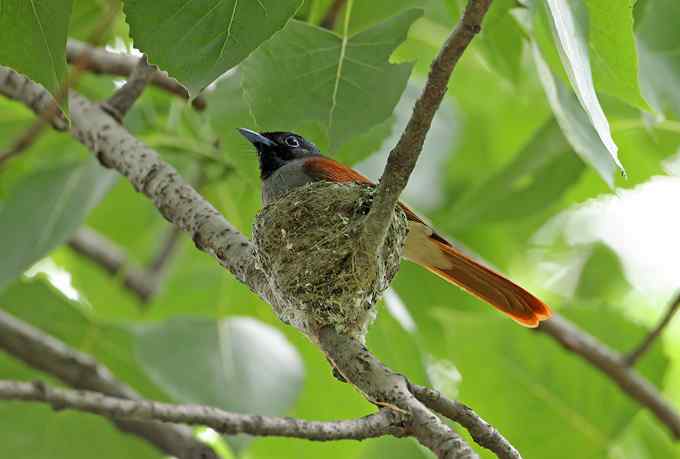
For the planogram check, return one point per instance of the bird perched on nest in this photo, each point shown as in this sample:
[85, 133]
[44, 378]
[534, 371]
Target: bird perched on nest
[288, 161]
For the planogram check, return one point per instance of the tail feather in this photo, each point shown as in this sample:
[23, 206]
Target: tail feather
[489, 286]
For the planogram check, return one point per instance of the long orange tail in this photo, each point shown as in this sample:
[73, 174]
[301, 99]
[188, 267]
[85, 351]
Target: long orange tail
[482, 282]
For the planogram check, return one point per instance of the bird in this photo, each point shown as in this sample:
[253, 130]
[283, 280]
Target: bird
[287, 161]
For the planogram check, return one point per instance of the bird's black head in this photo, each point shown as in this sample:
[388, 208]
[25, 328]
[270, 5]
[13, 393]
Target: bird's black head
[275, 149]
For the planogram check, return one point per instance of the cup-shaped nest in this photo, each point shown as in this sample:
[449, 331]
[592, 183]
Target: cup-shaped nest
[309, 248]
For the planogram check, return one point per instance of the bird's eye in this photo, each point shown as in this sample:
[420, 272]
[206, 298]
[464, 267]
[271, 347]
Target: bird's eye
[292, 141]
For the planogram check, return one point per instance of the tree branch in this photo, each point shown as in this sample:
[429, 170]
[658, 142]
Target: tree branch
[403, 157]
[143, 283]
[98, 60]
[483, 433]
[379, 424]
[385, 388]
[114, 260]
[633, 356]
[614, 366]
[33, 95]
[81, 371]
[124, 98]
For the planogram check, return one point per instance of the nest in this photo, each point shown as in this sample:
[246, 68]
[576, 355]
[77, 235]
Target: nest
[308, 247]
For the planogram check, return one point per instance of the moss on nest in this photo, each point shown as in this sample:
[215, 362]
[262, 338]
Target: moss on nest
[308, 247]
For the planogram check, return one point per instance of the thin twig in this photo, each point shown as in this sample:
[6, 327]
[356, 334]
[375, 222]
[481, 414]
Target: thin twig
[79, 370]
[329, 20]
[403, 157]
[613, 365]
[225, 422]
[124, 98]
[99, 60]
[483, 433]
[633, 356]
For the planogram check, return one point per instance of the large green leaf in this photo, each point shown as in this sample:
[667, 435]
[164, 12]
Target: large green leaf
[238, 364]
[537, 393]
[345, 84]
[537, 177]
[39, 432]
[196, 41]
[43, 211]
[612, 50]
[33, 37]
[571, 38]
[576, 124]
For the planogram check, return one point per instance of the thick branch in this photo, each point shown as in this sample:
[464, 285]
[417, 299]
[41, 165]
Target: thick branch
[632, 358]
[386, 388]
[81, 371]
[177, 201]
[98, 60]
[225, 422]
[612, 364]
[481, 431]
[403, 157]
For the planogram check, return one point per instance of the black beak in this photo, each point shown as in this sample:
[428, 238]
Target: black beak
[257, 139]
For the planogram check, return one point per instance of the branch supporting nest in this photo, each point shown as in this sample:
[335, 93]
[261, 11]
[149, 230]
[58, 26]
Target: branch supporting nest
[403, 157]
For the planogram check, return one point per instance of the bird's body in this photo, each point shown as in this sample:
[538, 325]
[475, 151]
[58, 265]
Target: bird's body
[288, 161]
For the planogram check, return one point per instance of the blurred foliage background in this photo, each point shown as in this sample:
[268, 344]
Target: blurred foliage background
[520, 167]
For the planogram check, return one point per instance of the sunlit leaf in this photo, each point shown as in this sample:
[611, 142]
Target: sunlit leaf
[612, 50]
[575, 123]
[572, 44]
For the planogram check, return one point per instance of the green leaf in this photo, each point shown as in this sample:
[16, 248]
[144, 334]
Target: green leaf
[88, 16]
[196, 41]
[43, 211]
[309, 75]
[37, 431]
[529, 382]
[500, 41]
[367, 14]
[576, 124]
[602, 277]
[612, 50]
[644, 438]
[658, 38]
[567, 21]
[537, 176]
[33, 37]
[37, 302]
[238, 364]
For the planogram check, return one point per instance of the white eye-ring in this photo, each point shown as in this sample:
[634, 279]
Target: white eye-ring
[292, 141]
